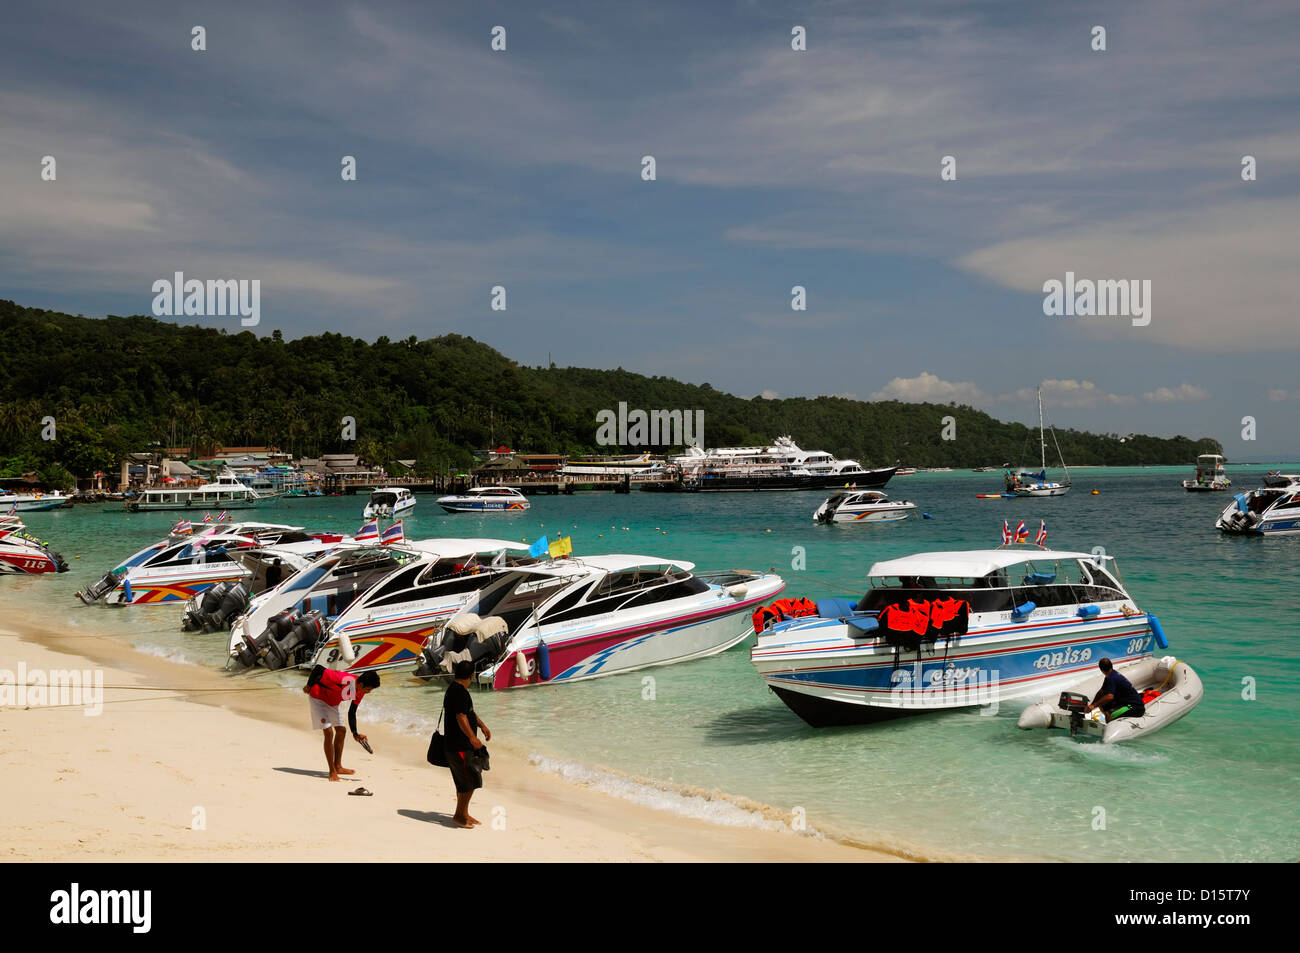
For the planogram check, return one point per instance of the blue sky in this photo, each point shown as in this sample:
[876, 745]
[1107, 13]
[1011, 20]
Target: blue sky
[775, 168]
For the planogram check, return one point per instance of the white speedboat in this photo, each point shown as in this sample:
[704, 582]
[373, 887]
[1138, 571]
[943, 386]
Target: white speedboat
[1268, 511]
[22, 553]
[1168, 686]
[1021, 483]
[368, 607]
[948, 630]
[485, 499]
[1210, 475]
[32, 502]
[863, 506]
[226, 493]
[181, 566]
[392, 502]
[582, 618]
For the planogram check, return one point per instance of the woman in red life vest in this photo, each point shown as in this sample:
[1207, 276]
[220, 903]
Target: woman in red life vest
[328, 690]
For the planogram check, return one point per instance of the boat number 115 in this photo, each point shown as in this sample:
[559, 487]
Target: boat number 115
[1137, 646]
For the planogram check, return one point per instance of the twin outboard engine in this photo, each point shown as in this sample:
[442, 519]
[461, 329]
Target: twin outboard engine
[217, 607]
[482, 641]
[290, 638]
[93, 593]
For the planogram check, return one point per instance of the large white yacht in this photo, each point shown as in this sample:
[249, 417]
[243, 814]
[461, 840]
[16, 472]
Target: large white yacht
[782, 465]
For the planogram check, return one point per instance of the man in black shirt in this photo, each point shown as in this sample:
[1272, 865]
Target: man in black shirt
[1117, 697]
[460, 738]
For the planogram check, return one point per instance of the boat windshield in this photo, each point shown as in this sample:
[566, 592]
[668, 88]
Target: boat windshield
[1044, 582]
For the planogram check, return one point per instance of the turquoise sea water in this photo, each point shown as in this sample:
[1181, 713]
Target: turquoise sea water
[1223, 784]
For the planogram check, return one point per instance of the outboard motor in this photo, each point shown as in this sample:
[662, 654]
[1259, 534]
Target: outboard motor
[202, 605]
[233, 604]
[300, 639]
[93, 593]
[250, 651]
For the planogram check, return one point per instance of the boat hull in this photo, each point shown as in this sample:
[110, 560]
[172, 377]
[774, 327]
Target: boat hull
[691, 635]
[840, 682]
[883, 514]
[481, 506]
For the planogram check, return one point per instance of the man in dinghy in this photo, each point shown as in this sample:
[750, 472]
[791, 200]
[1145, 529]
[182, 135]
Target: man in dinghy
[1117, 697]
[328, 690]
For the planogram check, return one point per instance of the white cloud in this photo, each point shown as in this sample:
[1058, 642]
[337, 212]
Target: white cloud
[927, 387]
[1169, 395]
[1221, 277]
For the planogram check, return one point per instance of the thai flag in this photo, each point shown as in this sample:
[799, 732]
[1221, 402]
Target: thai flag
[207, 517]
[13, 508]
[224, 516]
[393, 534]
[1006, 534]
[1042, 532]
[183, 526]
[1022, 534]
[368, 532]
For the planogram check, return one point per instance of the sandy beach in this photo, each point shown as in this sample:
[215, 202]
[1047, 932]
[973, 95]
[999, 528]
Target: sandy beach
[182, 764]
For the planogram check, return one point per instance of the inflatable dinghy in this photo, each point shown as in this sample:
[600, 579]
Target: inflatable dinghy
[1169, 688]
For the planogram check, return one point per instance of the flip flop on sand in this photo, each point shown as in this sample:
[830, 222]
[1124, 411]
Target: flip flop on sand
[362, 792]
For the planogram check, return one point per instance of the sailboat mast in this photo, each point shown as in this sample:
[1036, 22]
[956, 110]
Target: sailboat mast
[1042, 442]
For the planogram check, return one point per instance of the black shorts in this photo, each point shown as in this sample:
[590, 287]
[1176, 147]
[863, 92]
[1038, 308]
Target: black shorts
[466, 777]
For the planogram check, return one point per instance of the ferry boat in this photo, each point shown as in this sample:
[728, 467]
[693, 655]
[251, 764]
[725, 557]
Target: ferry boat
[1268, 511]
[392, 502]
[482, 499]
[32, 502]
[947, 630]
[1210, 475]
[864, 506]
[21, 553]
[227, 493]
[1020, 483]
[781, 466]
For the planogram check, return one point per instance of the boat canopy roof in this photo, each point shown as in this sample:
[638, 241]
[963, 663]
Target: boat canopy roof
[974, 562]
[444, 548]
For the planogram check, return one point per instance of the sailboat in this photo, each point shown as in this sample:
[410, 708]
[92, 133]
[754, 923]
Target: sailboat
[1037, 484]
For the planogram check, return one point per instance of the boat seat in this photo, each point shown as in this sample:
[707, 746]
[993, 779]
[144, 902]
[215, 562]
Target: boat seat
[836, 608]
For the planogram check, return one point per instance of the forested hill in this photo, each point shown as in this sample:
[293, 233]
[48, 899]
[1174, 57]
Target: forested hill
[122, 383]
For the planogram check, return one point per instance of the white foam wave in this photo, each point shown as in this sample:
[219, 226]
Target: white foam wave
[712, 806]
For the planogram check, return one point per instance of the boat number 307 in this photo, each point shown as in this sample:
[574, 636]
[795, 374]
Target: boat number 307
[1136, 646]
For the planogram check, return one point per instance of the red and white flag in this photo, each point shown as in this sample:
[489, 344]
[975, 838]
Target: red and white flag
[1006, 534]
[367, 532]
[1042, 532]
[394, 534]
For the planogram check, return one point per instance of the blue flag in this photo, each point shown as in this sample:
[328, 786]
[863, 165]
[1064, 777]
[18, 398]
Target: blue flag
[539, 548]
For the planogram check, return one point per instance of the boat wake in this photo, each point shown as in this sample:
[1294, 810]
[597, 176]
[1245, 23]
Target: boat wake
[1111, 754]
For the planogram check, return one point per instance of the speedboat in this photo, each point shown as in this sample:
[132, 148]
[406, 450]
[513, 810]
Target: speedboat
[582, 618]
[392, 502]
[1277, 478]
[864, 506]
[21, 553]
[265, 568]
[1268, 511]
[33, 502]
[946, 630]
[380, 601]
[1210, 475]
[481, 499]
[181, 566]
[1168, 686]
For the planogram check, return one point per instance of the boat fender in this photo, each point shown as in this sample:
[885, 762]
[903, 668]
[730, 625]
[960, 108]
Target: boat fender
[543, 661]
[521, 666]
[927, 516]
[126, 591]
[1089, 612]
[346, 651]
[738, 592]
[1158, 632]
[1022, 610]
